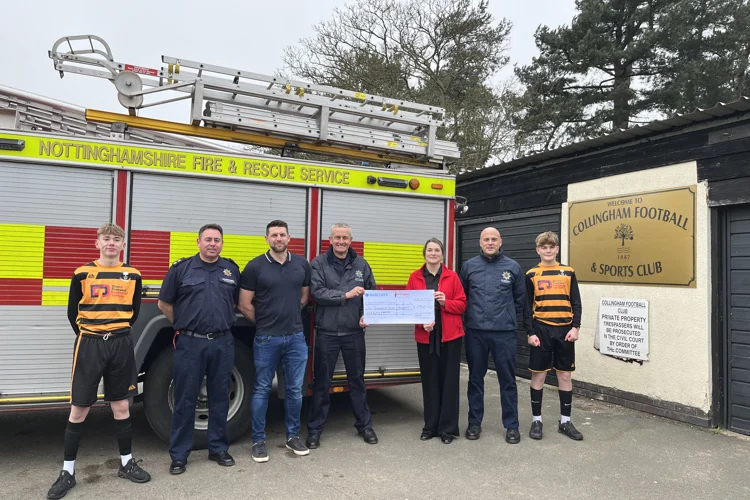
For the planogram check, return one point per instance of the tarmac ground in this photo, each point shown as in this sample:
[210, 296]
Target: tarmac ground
[625, 454]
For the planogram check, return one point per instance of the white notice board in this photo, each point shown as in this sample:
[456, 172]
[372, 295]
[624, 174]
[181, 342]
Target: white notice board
[623, 328]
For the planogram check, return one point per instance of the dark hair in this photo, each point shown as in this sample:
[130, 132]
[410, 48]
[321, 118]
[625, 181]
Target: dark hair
[277, 223]
[210, 226]
[433, 240]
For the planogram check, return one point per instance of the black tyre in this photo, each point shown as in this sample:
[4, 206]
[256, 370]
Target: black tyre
[158, 398]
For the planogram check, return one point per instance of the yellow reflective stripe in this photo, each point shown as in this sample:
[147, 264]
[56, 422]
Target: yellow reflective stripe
[54, 298]
[56, 283]
[21, 251]
[120, 155]
[152, 282]
[240, 248]
[392, 263]
[55, 292]
[182, 245]
[41, 399]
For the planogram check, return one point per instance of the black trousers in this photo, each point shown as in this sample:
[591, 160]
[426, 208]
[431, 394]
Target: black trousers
[327, 348]
[440, 376]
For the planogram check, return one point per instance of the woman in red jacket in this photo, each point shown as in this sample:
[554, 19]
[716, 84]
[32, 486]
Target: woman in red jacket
[439, 344]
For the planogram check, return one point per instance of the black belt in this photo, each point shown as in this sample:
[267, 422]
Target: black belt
[209, 336]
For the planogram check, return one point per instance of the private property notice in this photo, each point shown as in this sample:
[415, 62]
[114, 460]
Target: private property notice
[623, 328]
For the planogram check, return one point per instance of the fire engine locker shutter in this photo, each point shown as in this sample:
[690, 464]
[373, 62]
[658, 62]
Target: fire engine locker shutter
[393, 230]
[48, 221]
[518, 232]
[738, 322]
[167, 212]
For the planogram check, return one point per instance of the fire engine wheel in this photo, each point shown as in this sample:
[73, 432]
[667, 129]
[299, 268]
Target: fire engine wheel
[158, 397]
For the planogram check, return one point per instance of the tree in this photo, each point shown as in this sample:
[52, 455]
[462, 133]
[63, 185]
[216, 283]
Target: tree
[624, 232]
[621, 63]
[705, 55]
[439, 52]
[588, 78]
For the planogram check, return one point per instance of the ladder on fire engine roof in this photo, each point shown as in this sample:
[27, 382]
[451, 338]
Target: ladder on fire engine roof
[25, 111]
[265, 110]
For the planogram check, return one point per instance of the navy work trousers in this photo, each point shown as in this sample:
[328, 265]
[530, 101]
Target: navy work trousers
[194, 358]
[502, 345]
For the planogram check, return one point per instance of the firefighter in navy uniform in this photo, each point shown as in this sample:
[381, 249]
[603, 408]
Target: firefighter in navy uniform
[198, 296]
[104, 300]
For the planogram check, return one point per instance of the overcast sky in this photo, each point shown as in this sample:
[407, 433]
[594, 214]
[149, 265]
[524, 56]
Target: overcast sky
[248, 35]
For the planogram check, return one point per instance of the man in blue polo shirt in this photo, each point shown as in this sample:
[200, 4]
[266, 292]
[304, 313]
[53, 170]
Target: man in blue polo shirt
[279, 281]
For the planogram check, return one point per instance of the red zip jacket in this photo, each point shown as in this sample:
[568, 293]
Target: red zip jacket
[455, 304]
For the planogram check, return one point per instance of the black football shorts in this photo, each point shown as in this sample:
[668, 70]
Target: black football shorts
[94, 358]
[554, 351]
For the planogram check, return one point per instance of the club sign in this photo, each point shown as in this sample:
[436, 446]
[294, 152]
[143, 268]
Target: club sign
[638, 239]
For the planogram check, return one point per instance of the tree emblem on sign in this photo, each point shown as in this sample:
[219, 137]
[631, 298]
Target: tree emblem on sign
[624, 232]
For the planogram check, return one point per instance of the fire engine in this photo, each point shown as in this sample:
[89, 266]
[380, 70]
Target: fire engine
[65, 170]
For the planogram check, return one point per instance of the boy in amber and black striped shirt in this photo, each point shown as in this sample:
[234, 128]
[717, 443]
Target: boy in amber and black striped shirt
[104, 300]
[552, 317]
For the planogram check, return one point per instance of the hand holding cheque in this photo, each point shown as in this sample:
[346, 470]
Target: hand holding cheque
[399, 307]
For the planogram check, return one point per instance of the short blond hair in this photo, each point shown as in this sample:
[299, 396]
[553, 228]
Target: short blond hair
[110, 229]
[547, 238]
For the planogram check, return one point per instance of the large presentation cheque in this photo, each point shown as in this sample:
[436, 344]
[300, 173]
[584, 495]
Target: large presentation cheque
[399, 307]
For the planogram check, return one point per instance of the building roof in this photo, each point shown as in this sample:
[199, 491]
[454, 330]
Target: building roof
[620, 137]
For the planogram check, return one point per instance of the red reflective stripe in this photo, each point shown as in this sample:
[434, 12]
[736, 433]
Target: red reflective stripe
[314, 223]
[21, 291]
[149, 253]
[297, 245]
[359, 247]
[314, 232]
[122, 198]
[66, 248]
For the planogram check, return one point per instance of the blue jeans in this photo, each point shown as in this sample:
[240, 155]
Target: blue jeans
[268, 350]
[502, 345]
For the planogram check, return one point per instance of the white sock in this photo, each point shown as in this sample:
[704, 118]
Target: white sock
[70, 466]
[124, 459]
[537, 418]
[564, 419]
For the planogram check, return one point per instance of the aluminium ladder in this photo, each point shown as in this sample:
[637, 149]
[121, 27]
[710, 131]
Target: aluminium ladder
[20, 110]
[295, 111]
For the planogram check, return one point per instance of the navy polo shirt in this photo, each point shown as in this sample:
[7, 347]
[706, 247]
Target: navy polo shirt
[278, 292]
[203, 294]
